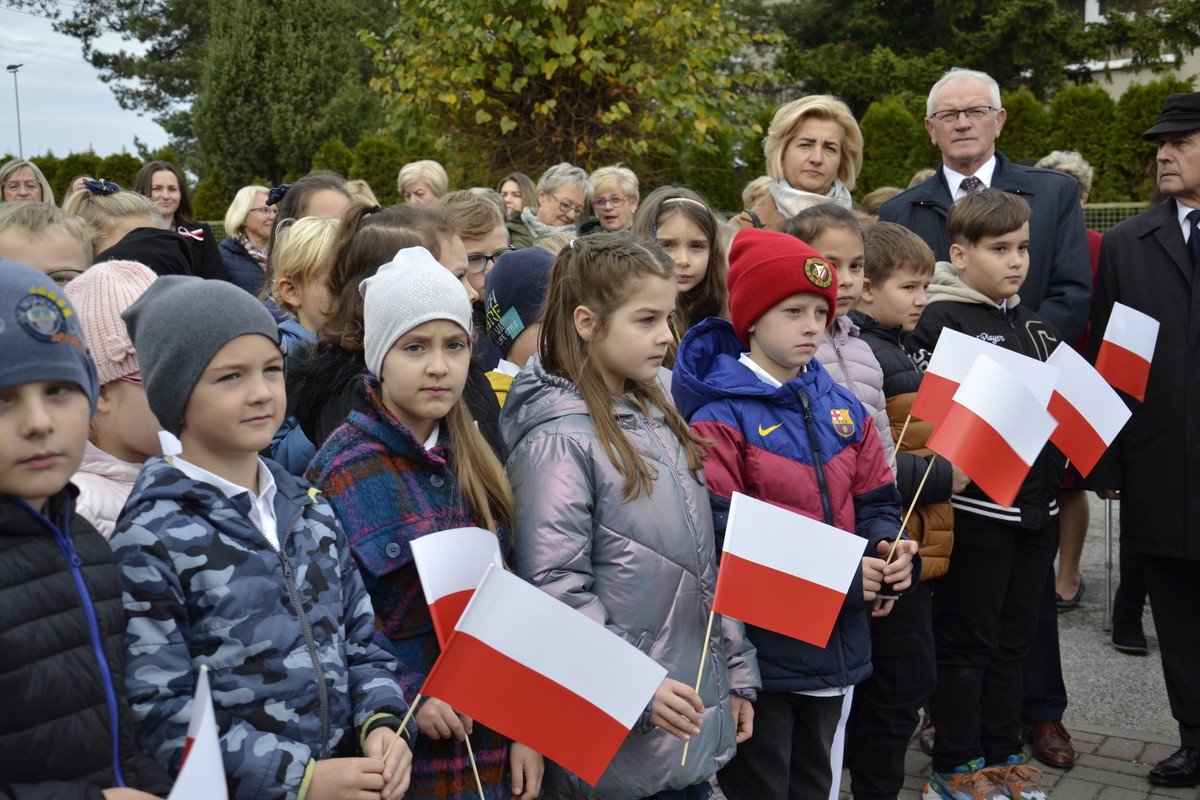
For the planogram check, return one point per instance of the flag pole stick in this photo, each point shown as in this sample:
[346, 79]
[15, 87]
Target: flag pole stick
[403, 723]
[700, 674]
[899, 441]
[904, 523]
[474, 769]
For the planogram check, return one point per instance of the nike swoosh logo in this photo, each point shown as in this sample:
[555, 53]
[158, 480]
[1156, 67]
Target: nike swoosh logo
[764, 431]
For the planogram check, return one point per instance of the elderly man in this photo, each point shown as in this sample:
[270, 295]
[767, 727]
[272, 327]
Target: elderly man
[1150, 262]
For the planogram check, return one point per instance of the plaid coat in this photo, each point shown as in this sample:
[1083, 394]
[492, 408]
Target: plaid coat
[387, 489]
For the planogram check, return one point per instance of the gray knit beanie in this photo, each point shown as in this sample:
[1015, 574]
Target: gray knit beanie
[411, 289]
[40, 337]
[177, 327]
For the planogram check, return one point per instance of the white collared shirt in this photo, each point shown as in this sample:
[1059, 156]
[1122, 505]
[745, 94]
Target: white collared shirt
[507, 368]
[954, 179]
[759, 372]
[431, 442]
[262, 506]
[1183, 211]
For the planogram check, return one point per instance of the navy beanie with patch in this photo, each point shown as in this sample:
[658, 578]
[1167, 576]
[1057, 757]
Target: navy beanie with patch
[40, 335]
[514, 293]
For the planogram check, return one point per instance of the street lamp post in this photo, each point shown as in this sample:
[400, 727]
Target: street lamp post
[16, 92]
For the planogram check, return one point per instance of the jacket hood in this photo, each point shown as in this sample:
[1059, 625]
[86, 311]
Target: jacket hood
[707, 369]
[947, 285]
[98, 462]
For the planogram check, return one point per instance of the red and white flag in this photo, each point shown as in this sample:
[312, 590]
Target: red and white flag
[952, 359]
[784, 571]
[451, 564]
[994, 430]
[1089, 413]
[539, 672]
[1127, 350]
[201, 769]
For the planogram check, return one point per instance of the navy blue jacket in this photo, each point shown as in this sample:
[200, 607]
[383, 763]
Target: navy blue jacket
[240, 267]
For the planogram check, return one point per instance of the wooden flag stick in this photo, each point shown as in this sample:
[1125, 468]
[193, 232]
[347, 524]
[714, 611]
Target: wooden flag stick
[403, 723]
[904, 523]
[475, 769]
[899, 441]
[700, 674]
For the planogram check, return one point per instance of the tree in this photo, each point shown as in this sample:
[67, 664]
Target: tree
[334, 156]
[72, 164]
[211, 199]
[1081, 119]
[522, 85]
[1129, 172]
[122, 168]
[377, 160]
[1027, 129]
[896, 144]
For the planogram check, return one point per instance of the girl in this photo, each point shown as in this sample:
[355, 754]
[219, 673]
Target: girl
[518, 192]
[163, 183]
[686, 228]
[113, 213]
[835, 233]
[124, 432]
[409, 461]
[612, 513]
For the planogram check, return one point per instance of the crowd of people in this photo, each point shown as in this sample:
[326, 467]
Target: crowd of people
[218, 454]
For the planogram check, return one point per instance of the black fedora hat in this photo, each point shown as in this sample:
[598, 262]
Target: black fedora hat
[1180, 113]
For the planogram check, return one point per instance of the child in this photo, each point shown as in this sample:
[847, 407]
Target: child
[515, 294]
[985, 608]
[112, 214]
[898, 268]
[612, 516]
[836, 234]
[301, 263]
[42, 236]
[124, 432]
[66, 730]
[231, 563]
[784, 432]
[409, 461]
[683, 225]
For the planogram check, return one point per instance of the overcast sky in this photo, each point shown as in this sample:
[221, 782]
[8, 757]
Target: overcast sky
[65, 107]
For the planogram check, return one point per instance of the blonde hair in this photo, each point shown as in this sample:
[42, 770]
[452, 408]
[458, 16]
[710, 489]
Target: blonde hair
[302, 254]
[618, 176]
[360, 192]
[790, 116]
[755, 189]
[482, 481]
[555, 242]
[243, 201]
[921, 175]
[876, 198]
[1069, 162]
[10, 167]
[596, 272]
[427, 170]
[102, 212]
[474, 217]
[38, 219]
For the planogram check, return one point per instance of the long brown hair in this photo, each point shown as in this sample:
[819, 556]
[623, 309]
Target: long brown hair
[145, 180]
[482, 480]
[597, 271]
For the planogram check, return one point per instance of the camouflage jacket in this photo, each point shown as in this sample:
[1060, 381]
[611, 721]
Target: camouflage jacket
[286, 634]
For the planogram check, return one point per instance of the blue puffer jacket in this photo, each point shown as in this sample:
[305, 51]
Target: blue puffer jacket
[240, 267]
[286, 635]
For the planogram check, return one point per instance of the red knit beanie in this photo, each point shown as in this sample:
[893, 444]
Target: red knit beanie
[767, 267]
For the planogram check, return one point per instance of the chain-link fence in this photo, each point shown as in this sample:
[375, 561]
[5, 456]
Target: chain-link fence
[1102, 216]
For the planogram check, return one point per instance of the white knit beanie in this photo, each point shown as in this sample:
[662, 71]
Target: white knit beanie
[410, 290]
[99, 295]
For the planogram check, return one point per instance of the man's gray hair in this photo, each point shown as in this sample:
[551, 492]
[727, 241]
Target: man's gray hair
[957, 74]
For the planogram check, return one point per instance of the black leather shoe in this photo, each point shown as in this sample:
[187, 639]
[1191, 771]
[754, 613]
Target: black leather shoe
[1180, 769]
[1128, 636]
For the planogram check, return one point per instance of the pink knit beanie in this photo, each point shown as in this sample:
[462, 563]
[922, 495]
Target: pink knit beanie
[99, 295]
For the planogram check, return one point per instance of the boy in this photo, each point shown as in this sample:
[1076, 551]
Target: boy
[783, 431]
[230, 562]
[514, 293]
[66, 730]
[46, 237]
[898, 267]
[985, 608]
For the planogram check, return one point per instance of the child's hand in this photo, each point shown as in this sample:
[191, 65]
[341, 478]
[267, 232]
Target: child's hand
[872, 576]
[121, 793]
[743, 718]
[958, 479]
[346, 778]
[882, 606]
[397, 767]
[438, 720]
[676, 709]
[527, 766]
[898, 575]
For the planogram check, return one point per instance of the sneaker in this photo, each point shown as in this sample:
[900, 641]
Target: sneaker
[1019, 780]
[968, 782]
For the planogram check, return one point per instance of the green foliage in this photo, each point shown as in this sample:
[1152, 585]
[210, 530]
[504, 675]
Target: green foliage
[1027, 128]
[520, 85]
[211, 199]
[1081, 119]
[121, 168]
[334, 156]
[377, 160]
[1129, 171]
[897, 145]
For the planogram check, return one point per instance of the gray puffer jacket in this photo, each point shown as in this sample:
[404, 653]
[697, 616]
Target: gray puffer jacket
[852, 363]
[645, 568]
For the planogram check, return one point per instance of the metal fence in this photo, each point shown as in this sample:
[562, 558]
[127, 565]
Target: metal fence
[1102, 216]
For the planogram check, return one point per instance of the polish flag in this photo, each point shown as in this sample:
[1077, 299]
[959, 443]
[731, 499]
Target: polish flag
[201, 769]
[451, 564]
[952, 359]
[539, 672]
[1089, 413]
[784, 571]
[994, 430]
[1127, 349]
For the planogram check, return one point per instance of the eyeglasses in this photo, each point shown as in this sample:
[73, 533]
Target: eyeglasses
[136, 380]
[16, 186]
[616, 201]
[973, 114]
[266, 209]
[64, 276]
[478, 262]
[565, 207]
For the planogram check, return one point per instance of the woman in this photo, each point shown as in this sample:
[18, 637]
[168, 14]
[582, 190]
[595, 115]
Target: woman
[22, 180]
[244, 251]
[423, 183]
[518, 192]
[614, 199]
[163, 183]
[563, 192]
[814, 152]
